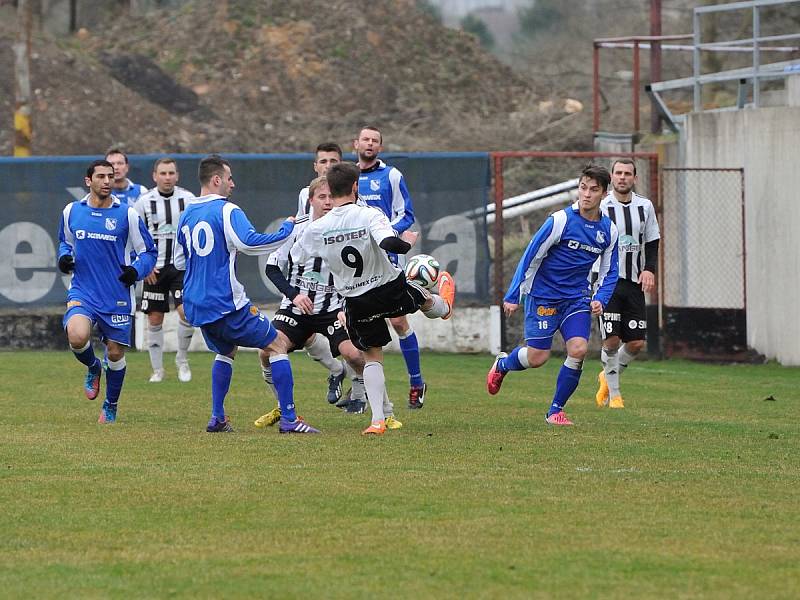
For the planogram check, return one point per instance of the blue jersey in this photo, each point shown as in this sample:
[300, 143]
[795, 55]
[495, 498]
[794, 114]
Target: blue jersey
[385, 188]
[558, 261]
[102, 240]
[130, 194]
[210, 232]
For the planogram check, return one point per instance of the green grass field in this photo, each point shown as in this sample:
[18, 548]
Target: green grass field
[691, 491]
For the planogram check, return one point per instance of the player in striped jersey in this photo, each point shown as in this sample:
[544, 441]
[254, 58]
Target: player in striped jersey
[326, 154]
[554, 275]
[160, 209]
[97, 236]
[311, 304]
[123, 188]
[354, 241]
[211, 231]
[625, 318]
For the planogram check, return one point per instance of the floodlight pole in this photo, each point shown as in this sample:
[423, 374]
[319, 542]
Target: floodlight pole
[22, 76]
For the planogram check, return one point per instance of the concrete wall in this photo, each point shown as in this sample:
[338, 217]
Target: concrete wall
[764, 142]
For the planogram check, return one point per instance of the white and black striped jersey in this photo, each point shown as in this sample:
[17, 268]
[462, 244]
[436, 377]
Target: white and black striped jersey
[348, 239]
[637, 225]
[161, 214]
[306, 272]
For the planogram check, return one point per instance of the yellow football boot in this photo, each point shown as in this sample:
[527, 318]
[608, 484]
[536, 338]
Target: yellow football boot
[601, 397]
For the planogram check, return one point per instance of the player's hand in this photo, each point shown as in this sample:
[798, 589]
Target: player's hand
[342, 318]
[409, 236]
[152, 279]
[597, 308]
[291, 219]
[509, 308]
[129, 275]
[304, 303]
[66, 264]
[648, 281]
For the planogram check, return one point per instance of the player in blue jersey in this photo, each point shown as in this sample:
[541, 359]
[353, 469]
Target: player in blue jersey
[123, 188]
[384, 187]
[211, 231]
[97, 236]
[554, 274]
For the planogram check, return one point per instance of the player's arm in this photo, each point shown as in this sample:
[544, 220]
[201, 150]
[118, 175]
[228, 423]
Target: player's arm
[66, 250]
[179, 249]
[402, 210]
[241, 233]
[609, 270]
[652, 236]
[542, 241]
[141, 241]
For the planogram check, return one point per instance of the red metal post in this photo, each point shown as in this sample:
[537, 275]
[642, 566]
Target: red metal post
[596, 89]
[636, 78]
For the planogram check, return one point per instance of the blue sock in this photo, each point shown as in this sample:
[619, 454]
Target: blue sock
[566, 384]
[87, 357]
[512, 362]
[284, 385]
[221, 373]
[410, 348]
[114, 378]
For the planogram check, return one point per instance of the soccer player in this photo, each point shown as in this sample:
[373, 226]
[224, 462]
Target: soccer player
[161, 209]
[310, 303]
[385, 188]
[554, 274]
[123, 188]
[326, 155]
[353, 241]
[97, 236]
[210, 233]
[625, 317]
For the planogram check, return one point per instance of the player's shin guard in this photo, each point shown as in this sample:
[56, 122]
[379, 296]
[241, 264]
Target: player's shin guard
[185, 333]
[320, 350]
[439, 309]
[410, 348]
[517, 360]
[625, 358]
[221, 374]
[375, 383]
[566, 384]
[612, 371]
[86, 355]
[115, 376]
[284, 385]
[155, 346]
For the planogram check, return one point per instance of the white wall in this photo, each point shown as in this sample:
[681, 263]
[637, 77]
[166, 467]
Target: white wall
[765, 142]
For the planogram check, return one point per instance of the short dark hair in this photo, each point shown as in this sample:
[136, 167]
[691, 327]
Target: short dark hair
[163, 161]
[371, 128]
[598, 173]
[101, 162]
[624, 161]
[341, 178]
[328, 147]
[117, 151]
[211, 165]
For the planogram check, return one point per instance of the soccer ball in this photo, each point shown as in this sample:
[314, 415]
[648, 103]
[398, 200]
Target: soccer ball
[423, 269]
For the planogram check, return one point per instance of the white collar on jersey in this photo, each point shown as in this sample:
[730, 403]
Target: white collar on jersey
[208, 198]
[116, 202]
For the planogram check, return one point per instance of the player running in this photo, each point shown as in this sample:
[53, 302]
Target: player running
[97, 236]
[210, 233]
[554, 273]
[353, 241]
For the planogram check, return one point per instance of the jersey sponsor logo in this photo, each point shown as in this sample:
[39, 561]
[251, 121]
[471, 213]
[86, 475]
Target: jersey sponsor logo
[609, 316]
[344, 236]
[80, 234]
[74, 303]
[634, 324]
[153, 296]
[333, 328]
[374, 185]
[576, 245]
[120, 319]
[111, 224]
[105, 237]
[165, 230]
[286, 319]
[628, 243]
[97, 214]
[546, 311]
[368, 197]
[355, 286]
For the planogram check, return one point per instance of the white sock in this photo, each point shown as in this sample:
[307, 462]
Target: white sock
[375, 383]
[185, 332]
[320, 350]
[388, 407]
[356, 381]
[611, 369]
[625, 358]
[266, 372]
[155, 346]
[439, 309]
[603, 356]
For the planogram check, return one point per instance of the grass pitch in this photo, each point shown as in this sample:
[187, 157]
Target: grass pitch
[691, 491]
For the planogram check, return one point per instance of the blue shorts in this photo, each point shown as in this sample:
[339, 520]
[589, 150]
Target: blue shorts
[246, 327]
[113, 327]
[544, 317]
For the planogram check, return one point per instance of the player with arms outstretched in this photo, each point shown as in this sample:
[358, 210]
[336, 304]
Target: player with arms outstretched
[97, 236]
[554, 273]
[353, 241]
[210, 233]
